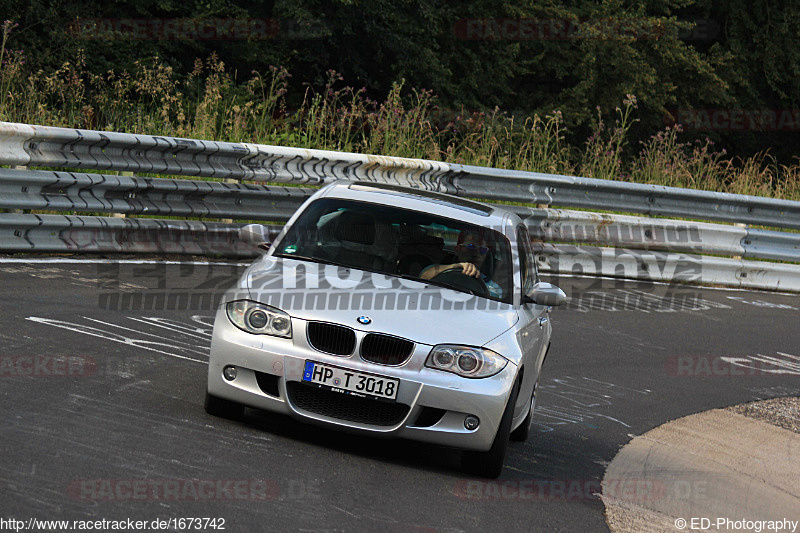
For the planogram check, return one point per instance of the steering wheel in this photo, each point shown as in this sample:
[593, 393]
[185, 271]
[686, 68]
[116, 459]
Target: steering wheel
[455, 276]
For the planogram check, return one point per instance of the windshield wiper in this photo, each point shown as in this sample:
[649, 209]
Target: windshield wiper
[300, 257]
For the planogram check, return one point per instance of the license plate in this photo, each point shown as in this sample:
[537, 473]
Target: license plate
[350, 382]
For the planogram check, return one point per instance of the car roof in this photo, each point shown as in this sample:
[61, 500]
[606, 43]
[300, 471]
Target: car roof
[420, 200]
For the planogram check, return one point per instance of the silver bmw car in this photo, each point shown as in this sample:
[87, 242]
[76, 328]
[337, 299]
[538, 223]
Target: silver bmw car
[390, 311]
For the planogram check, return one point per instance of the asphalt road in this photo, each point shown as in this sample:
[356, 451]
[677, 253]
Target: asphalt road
[103, 415]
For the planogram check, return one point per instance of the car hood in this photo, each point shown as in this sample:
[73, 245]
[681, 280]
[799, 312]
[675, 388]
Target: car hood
[423, 313]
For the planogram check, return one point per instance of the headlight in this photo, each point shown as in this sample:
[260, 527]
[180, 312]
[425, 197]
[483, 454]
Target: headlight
[466, 361]
[260, 319]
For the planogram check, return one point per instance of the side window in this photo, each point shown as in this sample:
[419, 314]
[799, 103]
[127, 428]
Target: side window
[527, 260]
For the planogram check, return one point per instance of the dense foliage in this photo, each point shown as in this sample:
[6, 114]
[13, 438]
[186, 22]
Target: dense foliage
[470, 76]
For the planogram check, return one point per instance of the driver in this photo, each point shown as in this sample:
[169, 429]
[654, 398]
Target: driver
[470, 253]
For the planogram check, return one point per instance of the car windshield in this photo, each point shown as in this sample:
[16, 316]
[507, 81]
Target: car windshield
[401, 242]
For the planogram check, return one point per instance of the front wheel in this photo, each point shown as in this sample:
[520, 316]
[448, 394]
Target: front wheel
[490, 463]
[521, 433]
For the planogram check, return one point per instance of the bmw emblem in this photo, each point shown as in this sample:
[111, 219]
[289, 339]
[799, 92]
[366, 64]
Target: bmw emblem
[364, 320]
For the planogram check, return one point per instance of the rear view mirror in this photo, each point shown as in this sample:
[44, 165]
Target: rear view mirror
[547, 294]
[255, 234]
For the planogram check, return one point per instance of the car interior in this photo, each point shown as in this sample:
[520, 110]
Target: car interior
[377, 240]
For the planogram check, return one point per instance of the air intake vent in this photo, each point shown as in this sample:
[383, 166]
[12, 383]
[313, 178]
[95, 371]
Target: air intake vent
[385, 349]
[330, 338]
[268, 384]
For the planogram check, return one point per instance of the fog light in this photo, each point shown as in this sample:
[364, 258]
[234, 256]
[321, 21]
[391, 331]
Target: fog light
[471, 422]
[229, 373]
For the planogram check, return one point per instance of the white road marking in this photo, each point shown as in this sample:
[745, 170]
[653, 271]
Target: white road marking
[768, 364]
[575, 401]
[762, 303]
[111, 336]
[191, 346]
[173, 325]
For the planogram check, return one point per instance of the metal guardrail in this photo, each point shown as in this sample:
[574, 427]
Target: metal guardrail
[765, 244]
[71, 191]
[62, 191]
[46, 146]
[665, 267]
[133, 195]
[565, 226]
[608, 195]
[84, 149]
[74, 233]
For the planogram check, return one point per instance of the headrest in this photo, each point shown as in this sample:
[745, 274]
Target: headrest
[356, 227]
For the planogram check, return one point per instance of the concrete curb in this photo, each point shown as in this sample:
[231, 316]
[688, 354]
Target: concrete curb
[714, 465]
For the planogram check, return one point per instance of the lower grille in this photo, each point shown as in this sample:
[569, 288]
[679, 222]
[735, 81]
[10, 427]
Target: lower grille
[345, 407]
[385, 349]
[330, 338]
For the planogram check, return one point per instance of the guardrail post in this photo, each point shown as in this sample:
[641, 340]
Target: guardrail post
[122, 215]
[18, 211]
[228, 180]
[739, 225]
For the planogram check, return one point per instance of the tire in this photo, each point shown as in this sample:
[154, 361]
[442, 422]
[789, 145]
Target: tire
[521, 433]
[223, 408]
[489, 464]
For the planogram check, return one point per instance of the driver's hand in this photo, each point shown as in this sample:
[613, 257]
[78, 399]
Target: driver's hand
[469, 269]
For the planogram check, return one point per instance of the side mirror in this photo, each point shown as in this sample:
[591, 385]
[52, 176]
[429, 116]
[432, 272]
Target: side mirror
[255, 234]
[546, 294]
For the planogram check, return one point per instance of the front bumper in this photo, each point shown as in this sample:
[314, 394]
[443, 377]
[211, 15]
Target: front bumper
[270, 370]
